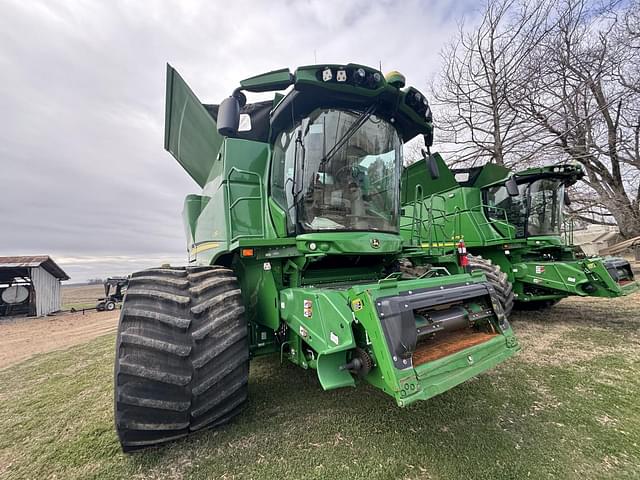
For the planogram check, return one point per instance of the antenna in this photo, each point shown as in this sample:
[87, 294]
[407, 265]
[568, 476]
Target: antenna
[315, 58]
[380, 62]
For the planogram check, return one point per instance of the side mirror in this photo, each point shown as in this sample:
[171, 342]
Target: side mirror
[432, 165]
[567, 199]
[229, 114]
[512, 187]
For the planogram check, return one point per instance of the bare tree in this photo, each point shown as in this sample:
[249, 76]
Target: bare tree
[536, 82]
[481, 80]
[587, 107]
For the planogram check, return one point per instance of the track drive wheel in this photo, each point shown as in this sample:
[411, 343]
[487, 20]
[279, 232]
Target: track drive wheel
[497, 278]
[182, 354]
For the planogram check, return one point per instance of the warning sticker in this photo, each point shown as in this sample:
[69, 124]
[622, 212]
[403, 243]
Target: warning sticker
[356, 305]
[539, 269]
[308, 308]
[334, 338]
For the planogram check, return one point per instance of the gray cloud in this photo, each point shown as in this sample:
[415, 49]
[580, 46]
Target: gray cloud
[83, 173]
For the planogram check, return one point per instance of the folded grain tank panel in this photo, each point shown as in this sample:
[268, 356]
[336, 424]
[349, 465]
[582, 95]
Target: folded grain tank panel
[30, 285]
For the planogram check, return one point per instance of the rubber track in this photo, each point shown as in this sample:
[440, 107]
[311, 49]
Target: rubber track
[497, 278]
[182, 354]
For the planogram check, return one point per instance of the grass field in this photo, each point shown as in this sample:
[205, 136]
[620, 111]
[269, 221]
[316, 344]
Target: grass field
[567, 407]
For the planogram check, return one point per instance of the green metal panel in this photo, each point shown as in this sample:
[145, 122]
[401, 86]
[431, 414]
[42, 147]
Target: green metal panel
[417, 184]
[190, 133]
[587, 277]
[260, 290]
[268, 82]
[490, 174]
[193, 205]
[278, 218]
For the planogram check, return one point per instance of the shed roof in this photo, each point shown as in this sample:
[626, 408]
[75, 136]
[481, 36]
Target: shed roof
[34, 261]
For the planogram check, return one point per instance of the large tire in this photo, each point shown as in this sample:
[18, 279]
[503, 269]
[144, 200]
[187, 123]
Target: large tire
[497, 278]
[182, 354]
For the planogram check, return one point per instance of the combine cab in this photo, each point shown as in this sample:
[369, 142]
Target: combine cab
[295, 250]
[512, 224]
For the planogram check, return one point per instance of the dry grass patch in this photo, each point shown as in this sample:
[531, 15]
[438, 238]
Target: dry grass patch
[530, 417]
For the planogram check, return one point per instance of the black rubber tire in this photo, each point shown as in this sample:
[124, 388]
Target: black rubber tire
[535, 305]
[497, 278]
[182, 354]
[110, 306]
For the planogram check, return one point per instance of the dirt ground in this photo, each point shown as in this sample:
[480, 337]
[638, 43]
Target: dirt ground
[22, 338]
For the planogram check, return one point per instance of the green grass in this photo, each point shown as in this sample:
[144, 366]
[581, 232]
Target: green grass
[567, 407]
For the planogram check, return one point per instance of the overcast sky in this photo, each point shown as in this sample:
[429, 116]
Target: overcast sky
[84, 176]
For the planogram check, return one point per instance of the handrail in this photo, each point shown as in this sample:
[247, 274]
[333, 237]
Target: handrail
[233, 203]
[568, 229]
[489, 221]
[420, 225]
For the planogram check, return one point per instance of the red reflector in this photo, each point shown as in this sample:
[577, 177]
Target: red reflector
[246, 252]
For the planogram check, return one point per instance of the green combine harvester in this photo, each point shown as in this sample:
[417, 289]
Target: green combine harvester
[512, 224]
[295, 251]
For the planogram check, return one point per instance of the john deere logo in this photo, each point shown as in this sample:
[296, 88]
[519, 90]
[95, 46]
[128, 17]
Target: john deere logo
[375, 243]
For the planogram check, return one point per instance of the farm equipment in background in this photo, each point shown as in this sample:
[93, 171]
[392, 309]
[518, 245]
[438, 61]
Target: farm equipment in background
[114, 291]
[294, 250]
[513, 224]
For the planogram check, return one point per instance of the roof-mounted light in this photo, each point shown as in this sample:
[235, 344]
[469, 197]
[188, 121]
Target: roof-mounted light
[396, 79]
[327, 75]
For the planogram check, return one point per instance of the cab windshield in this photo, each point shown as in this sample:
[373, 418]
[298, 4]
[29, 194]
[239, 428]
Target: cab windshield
[545, 207]
[338, 170]
[537, 210]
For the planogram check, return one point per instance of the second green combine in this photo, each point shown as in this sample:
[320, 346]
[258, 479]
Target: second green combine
[512, 224]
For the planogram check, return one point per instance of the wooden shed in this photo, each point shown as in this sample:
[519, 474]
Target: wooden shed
[30, 285]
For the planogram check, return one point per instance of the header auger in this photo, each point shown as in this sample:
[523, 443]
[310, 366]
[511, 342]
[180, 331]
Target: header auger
[295, 250]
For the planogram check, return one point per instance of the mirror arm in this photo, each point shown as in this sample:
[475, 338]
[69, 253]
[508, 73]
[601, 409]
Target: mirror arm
[242, 98]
